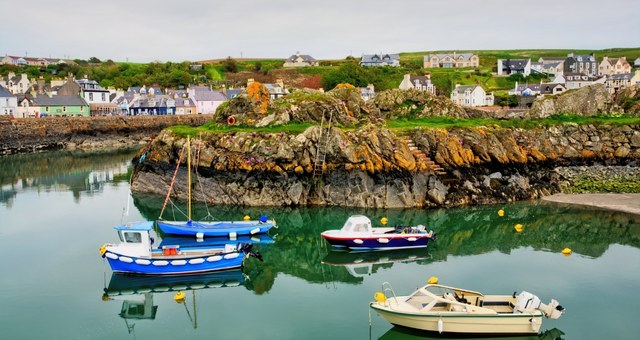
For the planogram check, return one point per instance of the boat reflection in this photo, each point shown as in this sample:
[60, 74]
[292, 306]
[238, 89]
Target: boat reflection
[136, 292]
[361, 264]
[402, 333]
[189, 241]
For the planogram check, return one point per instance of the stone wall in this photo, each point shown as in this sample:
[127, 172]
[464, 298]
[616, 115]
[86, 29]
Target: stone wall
[33, 134]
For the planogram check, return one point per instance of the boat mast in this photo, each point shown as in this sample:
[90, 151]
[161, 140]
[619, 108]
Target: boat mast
[189, 177]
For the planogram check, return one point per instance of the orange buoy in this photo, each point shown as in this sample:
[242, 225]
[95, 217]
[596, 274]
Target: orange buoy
[231, 120]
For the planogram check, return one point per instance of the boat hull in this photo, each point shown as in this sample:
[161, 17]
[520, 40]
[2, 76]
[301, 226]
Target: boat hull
[503, 324]
[379, 242]
[175, 265]
[214, 229]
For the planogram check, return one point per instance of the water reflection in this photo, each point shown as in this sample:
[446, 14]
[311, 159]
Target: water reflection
[80, 172]
[301, 252]
[136, 293]
[361, 264]
[402, 333]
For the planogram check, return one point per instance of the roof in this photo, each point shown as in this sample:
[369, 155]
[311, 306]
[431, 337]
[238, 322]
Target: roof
[533, 87]
[463, 88]
[515, 64]
[621, 76]
[380, 58]
[45, 100]
[185, 102]
[206, 94]
[465, 56]
[137, 226]
[422, 80]
[232, 93]
[304, 57]
[4, 92]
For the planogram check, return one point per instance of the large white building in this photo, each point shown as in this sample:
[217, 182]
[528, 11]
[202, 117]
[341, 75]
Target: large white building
[471, 95]
[422, 83]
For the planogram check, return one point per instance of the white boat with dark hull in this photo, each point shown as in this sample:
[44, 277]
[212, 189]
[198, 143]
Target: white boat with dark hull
[358, 234]
[444, 309]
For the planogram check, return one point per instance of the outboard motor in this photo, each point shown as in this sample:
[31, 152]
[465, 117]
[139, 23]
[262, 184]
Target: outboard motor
[247, 248]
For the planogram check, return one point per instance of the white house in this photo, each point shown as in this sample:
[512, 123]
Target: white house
[578, 80]
[8, 103]
[470, 96]
[207, 100]
[449, 60]
[514, 66]
[97, 97]
[614, 66]
[422, 83]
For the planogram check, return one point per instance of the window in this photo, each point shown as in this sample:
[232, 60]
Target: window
[46, 109]
[104, 98]
[132, 237]
[90, 96]
[64, 109]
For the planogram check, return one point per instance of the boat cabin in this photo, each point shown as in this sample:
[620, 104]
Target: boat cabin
[135, 239]
[358, 224]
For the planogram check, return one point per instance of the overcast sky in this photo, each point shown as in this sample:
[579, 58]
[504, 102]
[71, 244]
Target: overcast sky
[143, 30]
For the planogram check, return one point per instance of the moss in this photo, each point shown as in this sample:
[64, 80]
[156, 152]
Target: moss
[586, 185]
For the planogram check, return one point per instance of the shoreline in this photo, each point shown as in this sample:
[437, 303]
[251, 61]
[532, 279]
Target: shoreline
[628, 203]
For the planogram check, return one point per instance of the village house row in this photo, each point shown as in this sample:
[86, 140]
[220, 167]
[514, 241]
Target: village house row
[22, 97]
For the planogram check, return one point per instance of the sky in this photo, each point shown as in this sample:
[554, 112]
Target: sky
[194, 30]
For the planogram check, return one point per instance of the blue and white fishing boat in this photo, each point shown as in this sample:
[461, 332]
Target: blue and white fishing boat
[358, 234]
[201, 229]
[135, 255]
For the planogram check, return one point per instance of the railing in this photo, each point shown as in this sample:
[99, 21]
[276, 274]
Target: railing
[386, 287]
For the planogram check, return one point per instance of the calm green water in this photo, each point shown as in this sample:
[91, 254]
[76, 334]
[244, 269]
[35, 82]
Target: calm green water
[58, 208]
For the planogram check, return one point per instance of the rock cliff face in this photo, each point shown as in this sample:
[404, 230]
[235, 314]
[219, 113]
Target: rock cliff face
[30, 134]
[588, 101]
[373, 167]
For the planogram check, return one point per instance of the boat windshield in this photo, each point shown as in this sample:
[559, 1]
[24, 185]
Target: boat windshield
[131, 237]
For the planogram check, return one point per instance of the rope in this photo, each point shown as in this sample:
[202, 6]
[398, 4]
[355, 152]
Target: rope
[175, 173]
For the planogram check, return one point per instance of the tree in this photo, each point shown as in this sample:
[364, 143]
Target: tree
[94, 60]
[257, 66]
[230, 65]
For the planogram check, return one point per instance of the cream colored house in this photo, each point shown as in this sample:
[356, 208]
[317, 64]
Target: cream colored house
[451, 60]
[16, 84]
[617, 82]
[300, 60]
[614, 66]
[471, 95]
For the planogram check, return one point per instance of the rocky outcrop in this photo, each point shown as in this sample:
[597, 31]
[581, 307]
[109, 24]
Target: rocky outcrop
[373, 167]
[344, 105]
[33, 134]
[588, 101]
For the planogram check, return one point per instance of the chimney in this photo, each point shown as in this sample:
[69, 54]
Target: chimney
[250, 81]
[41, 84]
[428, 75]
[280, 83]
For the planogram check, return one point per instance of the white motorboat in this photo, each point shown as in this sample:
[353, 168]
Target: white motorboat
[446, 309]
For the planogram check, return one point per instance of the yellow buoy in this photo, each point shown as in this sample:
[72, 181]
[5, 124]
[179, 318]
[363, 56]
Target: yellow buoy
[246, 217]
[500, 212]
[103, 250]
[432, 280]
[105, 297]
[179, 297]
[384, 220]
[380, 297]
[518, 227]
[566, 251]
